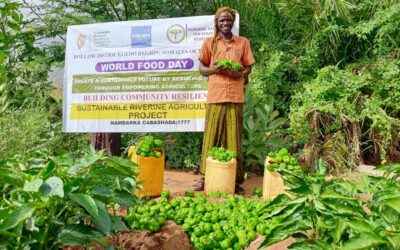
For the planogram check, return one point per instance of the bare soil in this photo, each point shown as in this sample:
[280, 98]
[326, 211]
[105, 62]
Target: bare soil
[169, 237]
[177, 182]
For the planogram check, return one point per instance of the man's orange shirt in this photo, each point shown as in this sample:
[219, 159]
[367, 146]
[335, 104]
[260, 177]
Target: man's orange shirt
[222, 88]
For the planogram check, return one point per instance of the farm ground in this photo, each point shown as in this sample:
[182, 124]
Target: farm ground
[178, 182]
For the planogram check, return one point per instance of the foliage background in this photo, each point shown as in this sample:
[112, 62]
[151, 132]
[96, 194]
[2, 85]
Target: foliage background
[312, 53]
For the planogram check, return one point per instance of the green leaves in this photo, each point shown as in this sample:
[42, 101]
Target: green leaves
[360, 226]
[330, 210]
[17, 50]
[102, 191]
[52, 202]
[363, 241]
[17, 216]
[14, 26]
[11, 174]
[331, 109]
[123, 166]
[16, 16]
[259, 119]
[86, 202]
[79, 235]
[393, 203]
[33, 186]
[56, 186]
[331, 194]
[85, 162]
[96, 209]
[292, 225]
[103, 220]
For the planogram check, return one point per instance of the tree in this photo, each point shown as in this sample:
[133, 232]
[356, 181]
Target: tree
[18, 56]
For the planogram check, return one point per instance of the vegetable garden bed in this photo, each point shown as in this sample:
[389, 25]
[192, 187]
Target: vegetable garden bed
[49, 202]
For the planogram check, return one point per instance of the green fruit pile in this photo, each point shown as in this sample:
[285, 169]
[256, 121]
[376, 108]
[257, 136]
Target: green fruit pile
[230, 224]
[189, 193]
[149, 147]
[282, 159]
[221, 154]
[257, 192]
[228, 64]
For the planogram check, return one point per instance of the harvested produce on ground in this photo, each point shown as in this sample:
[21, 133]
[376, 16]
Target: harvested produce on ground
[231, 223]
[189, 193]
[165, 194]
[257, 192]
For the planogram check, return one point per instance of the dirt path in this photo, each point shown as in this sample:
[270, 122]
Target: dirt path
[179, 181]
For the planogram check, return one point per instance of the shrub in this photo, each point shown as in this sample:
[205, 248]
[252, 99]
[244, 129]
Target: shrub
[350, 116]
[26, 130]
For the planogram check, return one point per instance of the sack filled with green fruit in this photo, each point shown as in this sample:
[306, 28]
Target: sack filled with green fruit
[149, 147]
[221, 154]
[228, 64]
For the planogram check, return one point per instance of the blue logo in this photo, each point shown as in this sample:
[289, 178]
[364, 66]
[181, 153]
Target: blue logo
[141, 36]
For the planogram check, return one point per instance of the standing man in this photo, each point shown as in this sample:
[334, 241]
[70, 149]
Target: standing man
[225, 98]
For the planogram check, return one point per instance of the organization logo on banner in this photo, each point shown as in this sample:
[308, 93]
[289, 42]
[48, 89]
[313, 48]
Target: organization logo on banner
[176, 33]
[80, 42]
[141, 36]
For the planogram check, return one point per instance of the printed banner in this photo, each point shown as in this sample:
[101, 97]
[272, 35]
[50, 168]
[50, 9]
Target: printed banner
[136, 76]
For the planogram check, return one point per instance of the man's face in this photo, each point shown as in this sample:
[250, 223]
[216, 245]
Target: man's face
[225, 23]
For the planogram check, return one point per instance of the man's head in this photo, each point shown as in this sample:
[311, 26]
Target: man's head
[224, 19]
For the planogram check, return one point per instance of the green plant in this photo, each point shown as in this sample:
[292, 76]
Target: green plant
[381, 28]
[48, 201]
[347, 116]
[259, 118]
[328, 214]
[184, 150]
[274, 75]
[385, 203]
[26, 130]
[22, 68]
[29, 116]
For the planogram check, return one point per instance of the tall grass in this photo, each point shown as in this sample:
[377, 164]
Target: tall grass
[33, 128]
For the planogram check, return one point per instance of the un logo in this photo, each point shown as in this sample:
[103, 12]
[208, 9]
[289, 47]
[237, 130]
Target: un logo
[176, 33]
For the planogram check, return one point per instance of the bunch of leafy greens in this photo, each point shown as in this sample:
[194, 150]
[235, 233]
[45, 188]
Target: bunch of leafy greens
[228, 64]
